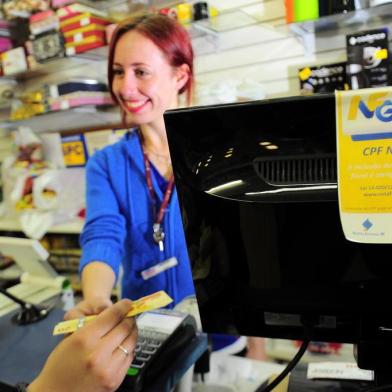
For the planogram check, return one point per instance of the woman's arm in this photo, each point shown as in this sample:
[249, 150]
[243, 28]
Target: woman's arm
[98, 280]
[97, 283]
[102, 239]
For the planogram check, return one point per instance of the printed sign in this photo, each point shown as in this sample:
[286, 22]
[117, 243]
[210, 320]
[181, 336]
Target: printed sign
[364, 152]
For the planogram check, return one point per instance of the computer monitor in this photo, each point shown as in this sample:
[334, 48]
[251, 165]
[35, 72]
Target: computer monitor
[257, 187]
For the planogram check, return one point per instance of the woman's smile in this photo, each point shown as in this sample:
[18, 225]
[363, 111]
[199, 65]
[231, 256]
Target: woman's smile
[134, 106]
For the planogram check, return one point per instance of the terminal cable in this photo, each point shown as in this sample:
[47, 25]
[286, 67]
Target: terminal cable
[290, 366]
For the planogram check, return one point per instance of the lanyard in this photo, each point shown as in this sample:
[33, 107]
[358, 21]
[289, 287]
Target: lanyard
[158, 233]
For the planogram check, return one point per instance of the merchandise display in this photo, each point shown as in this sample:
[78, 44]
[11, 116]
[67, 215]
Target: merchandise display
[79, 99]
[48, 45]
[43, 21]
[14, 61]
[81, 20]
[323, 78]
[24, 8]
[71, 51]
[368, 59]
[329, 7]
[74, 85]
[76, 9]
[90, 39]
[92, 28]
[289, 4]
[74, 150]
[306, 10]
[80, 37]
[79, 34]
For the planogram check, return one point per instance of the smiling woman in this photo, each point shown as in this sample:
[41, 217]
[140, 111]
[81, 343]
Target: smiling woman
[132, 209]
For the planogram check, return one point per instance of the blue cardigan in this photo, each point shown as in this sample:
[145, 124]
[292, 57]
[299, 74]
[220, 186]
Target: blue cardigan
[119, 221]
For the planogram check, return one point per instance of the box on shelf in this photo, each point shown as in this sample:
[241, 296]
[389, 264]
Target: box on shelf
[306, 10]
[96, 140]
[61, 3]
[65, 260]
[81, 37]
[76, 9]
[323, 78]
[81, 98]
[83, 48]
[368, 59]
[14, 61]
[82, 31]
[5, 44]
[81, 20]
[17, 8]
[44, 21]
[91, 39]
[74, 150]
[74, 85]
[48, 46]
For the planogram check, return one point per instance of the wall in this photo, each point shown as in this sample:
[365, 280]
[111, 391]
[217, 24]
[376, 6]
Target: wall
[268, 51]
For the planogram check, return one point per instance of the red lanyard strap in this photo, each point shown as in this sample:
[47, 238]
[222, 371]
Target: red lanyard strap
[166, 199]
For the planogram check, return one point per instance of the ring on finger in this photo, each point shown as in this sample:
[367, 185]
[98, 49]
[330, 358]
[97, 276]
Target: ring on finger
[123, 349]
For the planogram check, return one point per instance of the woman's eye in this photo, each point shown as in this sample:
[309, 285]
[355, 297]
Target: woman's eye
[117, 71]
[141, 72]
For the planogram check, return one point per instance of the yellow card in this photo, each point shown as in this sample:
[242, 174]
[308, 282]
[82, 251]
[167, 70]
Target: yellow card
[144, 304]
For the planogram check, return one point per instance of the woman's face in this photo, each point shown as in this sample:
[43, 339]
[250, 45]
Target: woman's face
[144, 83]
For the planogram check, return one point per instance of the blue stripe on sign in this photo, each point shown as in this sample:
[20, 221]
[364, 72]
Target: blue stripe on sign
[371, 136]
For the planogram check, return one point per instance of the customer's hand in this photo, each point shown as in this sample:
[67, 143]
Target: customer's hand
[88, 307]
[90, 359]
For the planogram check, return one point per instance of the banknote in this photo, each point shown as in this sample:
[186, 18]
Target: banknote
[150, 302]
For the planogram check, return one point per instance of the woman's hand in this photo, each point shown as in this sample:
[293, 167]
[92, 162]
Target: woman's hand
[88, 307]
[90, 359]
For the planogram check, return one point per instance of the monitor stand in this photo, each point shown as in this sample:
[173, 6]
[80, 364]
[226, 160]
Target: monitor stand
[375, 356]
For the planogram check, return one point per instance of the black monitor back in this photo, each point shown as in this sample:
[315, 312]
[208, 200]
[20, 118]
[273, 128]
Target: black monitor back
[258, 197]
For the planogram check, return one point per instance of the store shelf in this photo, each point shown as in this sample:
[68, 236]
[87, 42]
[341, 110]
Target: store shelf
[61, 64]
[74, 227]
[69, 120]
[353, 20]
[108, 5]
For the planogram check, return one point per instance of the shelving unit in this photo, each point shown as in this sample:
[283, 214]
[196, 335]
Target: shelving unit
[71, 120]
[61, 64]
[74, 227]
[332, 25]
[351, 20]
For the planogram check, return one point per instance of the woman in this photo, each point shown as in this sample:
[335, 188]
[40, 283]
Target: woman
[132, 208]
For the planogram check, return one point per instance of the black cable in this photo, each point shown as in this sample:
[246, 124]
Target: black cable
[290, 366]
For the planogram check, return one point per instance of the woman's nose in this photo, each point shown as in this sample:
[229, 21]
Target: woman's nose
[128, 85]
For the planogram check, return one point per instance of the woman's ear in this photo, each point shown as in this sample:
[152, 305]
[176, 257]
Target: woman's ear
[182, 76]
